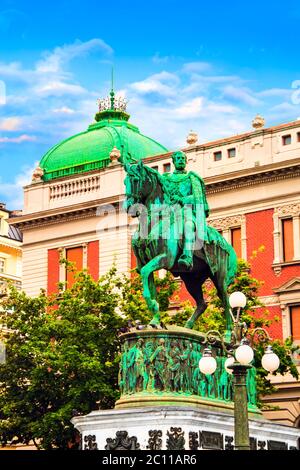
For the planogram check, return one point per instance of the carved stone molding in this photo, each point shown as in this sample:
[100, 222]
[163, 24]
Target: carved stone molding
[90, 442]
[155, 441]
[194, 441]
[175, 440]
[261, 445]
[122, 442]
[225, 223]
[229, 443]
[288, 210]
[277, 445]
[211, 440]
[253, 443]
[253, 179]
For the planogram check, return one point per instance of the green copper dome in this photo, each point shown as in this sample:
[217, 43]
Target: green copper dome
[90, 150]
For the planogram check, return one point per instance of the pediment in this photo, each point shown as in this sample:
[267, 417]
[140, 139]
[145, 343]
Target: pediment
[292, 285]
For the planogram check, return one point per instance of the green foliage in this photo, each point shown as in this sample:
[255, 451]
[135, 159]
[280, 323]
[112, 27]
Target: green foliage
[62, 356]
[133, 304]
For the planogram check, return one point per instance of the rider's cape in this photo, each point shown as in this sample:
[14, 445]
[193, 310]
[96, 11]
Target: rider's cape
[218, 252]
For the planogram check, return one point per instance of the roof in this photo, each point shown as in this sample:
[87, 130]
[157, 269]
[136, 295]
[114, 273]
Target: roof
[246, 135]
[89, 150]
[15, 234]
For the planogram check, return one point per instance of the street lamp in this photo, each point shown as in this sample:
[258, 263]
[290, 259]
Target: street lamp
[241, 343]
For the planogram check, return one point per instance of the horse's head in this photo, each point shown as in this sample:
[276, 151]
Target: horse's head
[138, 184]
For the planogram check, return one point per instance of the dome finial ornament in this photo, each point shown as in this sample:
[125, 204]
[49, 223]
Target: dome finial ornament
[258, 122]
[37, 175]
[192, 138]
[115, 156]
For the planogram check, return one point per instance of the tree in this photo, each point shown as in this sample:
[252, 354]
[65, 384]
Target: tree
[61, 359]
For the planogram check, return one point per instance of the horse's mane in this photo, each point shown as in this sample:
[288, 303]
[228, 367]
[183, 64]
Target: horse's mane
[157, 179]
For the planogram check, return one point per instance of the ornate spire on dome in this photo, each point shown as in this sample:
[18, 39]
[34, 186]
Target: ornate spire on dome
[112, 107]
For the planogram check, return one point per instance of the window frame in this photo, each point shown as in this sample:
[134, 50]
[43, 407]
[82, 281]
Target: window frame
[167, 164]
[229, 150]
[63, 255]
[284, 137]
[218, 152]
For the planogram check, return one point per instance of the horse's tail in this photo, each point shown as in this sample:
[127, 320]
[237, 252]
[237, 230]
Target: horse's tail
[221, 257]
[231, 266]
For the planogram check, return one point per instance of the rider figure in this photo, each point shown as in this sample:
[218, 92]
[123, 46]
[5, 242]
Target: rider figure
[187, 189]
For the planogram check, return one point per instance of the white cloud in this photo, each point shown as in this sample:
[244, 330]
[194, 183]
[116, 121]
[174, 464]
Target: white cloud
[189, 109]
[190, 67]
[12, 193]
[275, 92]
[10, 124]
[17, 140]
[57, 88]
[242, 95]
[63, 110]
[158, 59]
[54, 61]
[163, 83]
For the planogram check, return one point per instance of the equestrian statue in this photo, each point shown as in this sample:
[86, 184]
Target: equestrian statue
[173, 234]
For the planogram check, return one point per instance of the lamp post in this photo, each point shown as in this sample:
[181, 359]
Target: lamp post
[239, 364]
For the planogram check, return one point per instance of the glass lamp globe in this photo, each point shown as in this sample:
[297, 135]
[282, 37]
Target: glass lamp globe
[270, 361]
[244, 354]
[237, 299]
[207, 363]
[229, 361]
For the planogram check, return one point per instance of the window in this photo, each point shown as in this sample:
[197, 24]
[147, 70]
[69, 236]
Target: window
[231, 153]
[155, 168]
[74, 255]
[167, 167]
[236, 241]
[217, 156]
[2, 265]
[295, 322]
[287, 239]
[286, 139]
[298, 136]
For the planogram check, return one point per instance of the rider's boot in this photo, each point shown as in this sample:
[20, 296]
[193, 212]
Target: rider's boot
[186, 259]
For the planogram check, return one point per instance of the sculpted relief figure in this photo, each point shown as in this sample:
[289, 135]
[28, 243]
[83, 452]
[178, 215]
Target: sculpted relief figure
[173, 235]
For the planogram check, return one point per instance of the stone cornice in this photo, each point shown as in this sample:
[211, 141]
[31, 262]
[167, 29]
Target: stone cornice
[253, 176]
[55, 216]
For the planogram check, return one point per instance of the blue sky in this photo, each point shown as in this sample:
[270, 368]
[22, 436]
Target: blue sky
[205, 66]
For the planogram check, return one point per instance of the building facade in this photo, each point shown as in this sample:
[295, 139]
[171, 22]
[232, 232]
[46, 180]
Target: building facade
[10, 252]
[73, 209]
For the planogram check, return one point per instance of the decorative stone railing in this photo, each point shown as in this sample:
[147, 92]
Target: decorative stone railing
[77, 187]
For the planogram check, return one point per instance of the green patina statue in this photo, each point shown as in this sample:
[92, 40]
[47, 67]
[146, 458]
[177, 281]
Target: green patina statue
[173, 235]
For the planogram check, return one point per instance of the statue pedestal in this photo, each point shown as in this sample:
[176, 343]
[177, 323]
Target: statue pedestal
[166, 403]
[175, 428]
